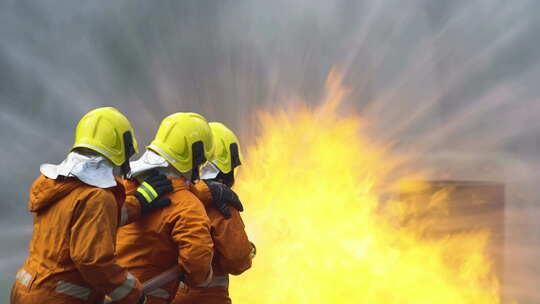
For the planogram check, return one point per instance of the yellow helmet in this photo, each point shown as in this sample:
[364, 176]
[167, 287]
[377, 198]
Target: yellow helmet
[227, 154]
[107, 132]
[185, 141]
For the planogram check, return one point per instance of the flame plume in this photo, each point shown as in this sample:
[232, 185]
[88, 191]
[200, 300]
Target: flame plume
[313, 184]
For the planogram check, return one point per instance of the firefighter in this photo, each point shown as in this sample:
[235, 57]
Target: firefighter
[180, 233]
[233, 251]
[78, 206]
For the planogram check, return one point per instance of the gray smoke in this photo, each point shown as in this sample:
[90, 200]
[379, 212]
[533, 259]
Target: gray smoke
[455, 82]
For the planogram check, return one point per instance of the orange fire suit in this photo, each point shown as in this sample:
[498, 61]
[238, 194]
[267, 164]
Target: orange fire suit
[232, 254]
[175, 235]
[72, 258]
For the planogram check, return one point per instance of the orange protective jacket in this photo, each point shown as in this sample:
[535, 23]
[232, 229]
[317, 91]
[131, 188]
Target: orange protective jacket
[176, 235]
[72, 252]
[232, 254]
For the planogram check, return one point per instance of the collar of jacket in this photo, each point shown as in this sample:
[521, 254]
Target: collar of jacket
[46, 191]
[179, 183]
[119, 190]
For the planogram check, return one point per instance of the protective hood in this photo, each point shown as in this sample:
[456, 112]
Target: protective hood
[149, 161]
[93, 170]
[45, 191]
[209, 171]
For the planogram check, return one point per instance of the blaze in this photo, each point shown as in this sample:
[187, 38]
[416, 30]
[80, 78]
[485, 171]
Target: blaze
[316, 190]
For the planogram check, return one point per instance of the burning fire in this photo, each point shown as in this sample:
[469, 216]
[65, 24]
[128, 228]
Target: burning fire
[314, 186]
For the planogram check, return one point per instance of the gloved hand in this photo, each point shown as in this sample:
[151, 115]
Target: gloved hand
[222, 197]
[150, 190]
[142, 300]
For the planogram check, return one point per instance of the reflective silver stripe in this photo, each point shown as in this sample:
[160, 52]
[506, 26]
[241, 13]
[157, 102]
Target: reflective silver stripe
[124, 217]
[159, 293]
[24, 277]
[163, 153]
[219, 281]
[216, 281]
[73, 290]
[208, 279]
[123, 290]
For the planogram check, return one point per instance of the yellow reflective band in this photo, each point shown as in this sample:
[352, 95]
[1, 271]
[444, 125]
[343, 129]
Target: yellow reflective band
[144, 194]
[151, 189]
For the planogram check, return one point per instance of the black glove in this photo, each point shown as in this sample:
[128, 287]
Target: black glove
[222, 197]
[150, 190]
[142, 300]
